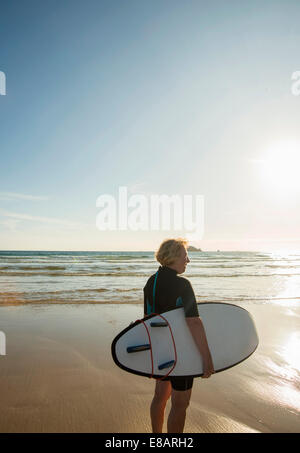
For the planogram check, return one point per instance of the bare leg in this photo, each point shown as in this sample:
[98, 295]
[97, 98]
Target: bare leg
[158, 405]
[180, 402]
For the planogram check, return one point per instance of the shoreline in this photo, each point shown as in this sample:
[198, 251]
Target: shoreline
[289, 302]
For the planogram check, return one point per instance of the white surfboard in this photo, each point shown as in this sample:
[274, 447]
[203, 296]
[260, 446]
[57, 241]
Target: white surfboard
[230, 332]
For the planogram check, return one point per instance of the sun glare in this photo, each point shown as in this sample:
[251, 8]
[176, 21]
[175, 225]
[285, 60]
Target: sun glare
[280, 167]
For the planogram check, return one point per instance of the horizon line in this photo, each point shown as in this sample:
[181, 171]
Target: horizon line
[96, 251]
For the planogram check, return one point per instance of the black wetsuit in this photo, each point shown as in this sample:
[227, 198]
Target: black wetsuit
[170, 291]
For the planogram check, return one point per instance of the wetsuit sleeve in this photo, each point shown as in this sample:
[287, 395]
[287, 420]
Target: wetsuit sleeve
[148, 298]
[189, 300]
[145, 300]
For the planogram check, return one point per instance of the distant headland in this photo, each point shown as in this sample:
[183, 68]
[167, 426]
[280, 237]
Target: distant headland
[193, 249]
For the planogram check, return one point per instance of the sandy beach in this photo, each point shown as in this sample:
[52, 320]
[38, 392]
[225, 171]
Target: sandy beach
[58, 375]
[150, 155]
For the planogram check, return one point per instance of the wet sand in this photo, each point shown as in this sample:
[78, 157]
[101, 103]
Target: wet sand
[58, 375]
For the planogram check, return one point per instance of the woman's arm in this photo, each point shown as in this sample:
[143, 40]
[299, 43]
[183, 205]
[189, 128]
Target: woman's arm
[197, 330]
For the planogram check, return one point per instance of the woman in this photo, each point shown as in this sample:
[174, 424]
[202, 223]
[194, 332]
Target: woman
[171, 291]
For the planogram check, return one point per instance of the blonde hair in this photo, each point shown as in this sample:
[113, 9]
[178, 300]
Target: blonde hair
[169, 250]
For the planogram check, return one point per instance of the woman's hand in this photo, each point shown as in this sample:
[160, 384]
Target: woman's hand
[198, 332]
[208, 368]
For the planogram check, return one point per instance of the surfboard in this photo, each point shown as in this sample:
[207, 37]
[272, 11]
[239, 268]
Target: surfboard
[152, 346]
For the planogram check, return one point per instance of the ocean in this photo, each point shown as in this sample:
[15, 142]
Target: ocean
[119, 277]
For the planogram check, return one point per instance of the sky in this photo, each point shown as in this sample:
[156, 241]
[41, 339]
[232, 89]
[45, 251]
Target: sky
[163, 97]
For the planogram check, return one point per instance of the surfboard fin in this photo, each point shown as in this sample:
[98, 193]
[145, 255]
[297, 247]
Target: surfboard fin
[138, 348]
[158, 324]
[166, 365]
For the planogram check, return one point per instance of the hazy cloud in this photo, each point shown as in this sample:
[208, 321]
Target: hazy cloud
[20, 196]
[48, 220]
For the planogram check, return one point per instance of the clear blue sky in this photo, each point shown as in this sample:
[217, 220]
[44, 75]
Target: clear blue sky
[161, 96]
